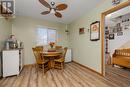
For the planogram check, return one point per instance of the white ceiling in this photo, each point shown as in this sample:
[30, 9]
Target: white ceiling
[76, 8]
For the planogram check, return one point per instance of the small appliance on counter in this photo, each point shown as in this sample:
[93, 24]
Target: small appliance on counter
[12, 43]
[19, 44]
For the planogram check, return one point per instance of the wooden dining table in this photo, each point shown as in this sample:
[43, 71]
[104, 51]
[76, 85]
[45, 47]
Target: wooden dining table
[52, 56]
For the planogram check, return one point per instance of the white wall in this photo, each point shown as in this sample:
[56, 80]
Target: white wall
[24, 28]
[85, 51]
[5, 31]
[120, 41]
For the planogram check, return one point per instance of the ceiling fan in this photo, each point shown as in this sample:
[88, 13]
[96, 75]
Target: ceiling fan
[52, 8]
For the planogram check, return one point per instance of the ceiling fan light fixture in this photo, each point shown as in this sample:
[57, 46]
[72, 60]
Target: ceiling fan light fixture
[52, 3]
[52, 11]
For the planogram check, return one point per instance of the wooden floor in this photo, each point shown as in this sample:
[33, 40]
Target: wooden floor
[73, 75]
[118, 76]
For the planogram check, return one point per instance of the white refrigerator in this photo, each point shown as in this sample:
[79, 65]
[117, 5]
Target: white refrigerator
[12, 61]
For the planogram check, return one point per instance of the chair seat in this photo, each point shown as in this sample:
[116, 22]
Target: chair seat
[59, 63]
[43, 62]
[59, 60]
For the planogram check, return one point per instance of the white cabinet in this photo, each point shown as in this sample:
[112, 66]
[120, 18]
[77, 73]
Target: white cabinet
[68, 56]
[12, 61]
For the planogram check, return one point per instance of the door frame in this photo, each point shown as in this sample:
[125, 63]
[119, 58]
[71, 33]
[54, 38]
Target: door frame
[113, 9]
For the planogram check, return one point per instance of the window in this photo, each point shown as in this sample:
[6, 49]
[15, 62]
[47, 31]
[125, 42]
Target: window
[45, 36]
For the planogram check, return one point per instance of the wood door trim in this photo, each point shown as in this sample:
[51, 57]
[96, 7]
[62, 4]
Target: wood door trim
[113, 9]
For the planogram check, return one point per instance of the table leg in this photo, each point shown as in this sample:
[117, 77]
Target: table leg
[51, 65]
[52, 62]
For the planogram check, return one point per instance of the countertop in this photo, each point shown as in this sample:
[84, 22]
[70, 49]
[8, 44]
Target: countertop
[12, 49]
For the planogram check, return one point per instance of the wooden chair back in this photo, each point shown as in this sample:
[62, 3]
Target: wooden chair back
[38, 56]
[39, 48]
[64, 53]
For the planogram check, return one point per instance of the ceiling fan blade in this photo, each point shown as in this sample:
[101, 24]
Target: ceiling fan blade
[61, 7]
[59, 15]
[45, 12]
[45, 3]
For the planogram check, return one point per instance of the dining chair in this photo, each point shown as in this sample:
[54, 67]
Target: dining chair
[41, 62]
[59, 63]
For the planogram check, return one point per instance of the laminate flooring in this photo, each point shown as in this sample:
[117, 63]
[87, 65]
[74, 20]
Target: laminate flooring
[73, 75]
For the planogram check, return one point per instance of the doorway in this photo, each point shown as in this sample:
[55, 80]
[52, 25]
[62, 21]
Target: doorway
[103, 15]
[115, 28]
